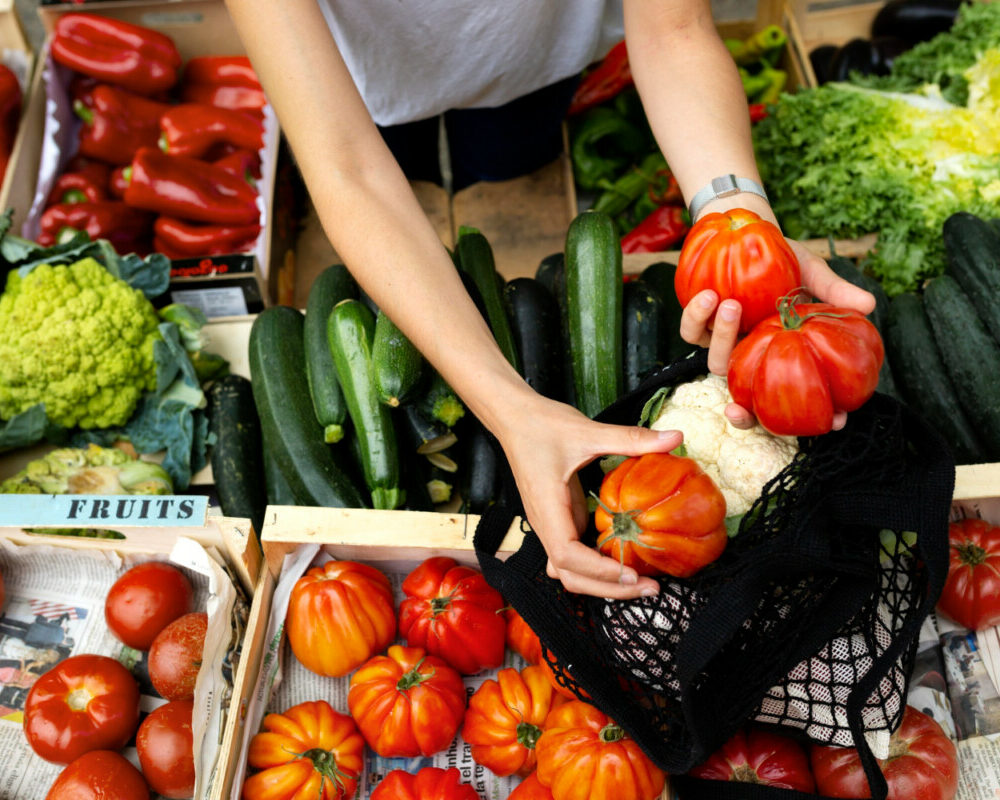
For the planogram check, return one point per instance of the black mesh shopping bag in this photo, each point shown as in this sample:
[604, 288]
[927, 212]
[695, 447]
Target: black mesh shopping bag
[808, 621]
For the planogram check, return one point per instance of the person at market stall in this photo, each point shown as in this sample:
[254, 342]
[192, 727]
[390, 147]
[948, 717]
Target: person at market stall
[340, 73]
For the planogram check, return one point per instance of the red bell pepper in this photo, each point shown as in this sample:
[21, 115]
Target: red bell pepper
[603, 82]
[132, 56]
[196, 130]
[245, 163]
[757, 111]
[664, 190]
[178, 186]
[117, 123]
[238, 98]
[660, 230]
[126, 228]
[177, 238]
[220, 71]
[118, 181]
[85, 184]
[10, 114]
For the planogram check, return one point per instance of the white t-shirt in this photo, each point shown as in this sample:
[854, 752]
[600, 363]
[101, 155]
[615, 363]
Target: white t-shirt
[413, 59]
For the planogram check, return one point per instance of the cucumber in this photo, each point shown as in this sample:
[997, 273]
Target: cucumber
[644, 342]
[351, 330]
[659, 277]
[594, 310]
[970, 355]
[397, 363]
[237, 456]
[922, 379]
[438, 401]
[475, 257]
[292, 436]
[422, 433]
[534, 321]
[330, 287]
[972, 249]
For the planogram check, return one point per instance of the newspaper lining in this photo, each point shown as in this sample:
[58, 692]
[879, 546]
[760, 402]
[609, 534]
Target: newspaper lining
[284, 682]
[54, 608]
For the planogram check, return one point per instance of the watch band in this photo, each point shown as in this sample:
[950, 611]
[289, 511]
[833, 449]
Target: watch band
[723, 186]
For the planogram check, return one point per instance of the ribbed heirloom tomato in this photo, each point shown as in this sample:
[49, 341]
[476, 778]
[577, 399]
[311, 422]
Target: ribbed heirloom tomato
[307, 751]
[531, 789]
[87, 702]
[452, 612]
[971, 594]
[760, 757]
[506, 716]
[407, 703]
[584, 755]
[799, 366]
[521, 638]
[429, 783]
[339, 616]
[660, 513]
[741, 256]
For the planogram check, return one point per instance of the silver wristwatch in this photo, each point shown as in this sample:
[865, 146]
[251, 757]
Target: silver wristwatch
[723, 186]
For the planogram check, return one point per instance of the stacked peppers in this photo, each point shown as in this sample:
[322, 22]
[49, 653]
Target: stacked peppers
[167, 157]
[10, 114]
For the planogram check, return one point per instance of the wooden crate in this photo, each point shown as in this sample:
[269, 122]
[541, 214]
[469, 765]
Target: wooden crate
[231, 541]
[811, 23]
[15, 53]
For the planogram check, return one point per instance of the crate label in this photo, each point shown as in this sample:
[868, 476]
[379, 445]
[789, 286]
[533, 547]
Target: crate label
[215, 302]
[78, 511]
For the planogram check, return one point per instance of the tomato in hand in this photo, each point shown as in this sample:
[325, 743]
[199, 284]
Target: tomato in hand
[530, 789]
[762, 757]
[309, 750]
[922, 764]
[407, 703]
[505, 717]
[741, 256]
[584, 755]
[660, 513]
[430, 783]
[144, 600]
[99, 775]
[339, 616]
[165, 743]
[801, 365]
[971, 594]
[521, 638]
[175, 656]
[453, 613]
[86, 702]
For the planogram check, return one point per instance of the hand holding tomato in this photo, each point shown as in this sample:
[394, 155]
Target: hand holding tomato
[971, 594]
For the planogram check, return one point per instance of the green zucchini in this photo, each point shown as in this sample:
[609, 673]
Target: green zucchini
[534, 321]
[351, 330]
[594, 310]
[475, 257]
[315, 475]
[397, 363]
[420, 431]
[438, 401]
[480, 479]
[970, 355]
[330, 287]
[972, 249]
[644, 342]
[922, 378]
[659, 277]
[413, 472]
[237, 456]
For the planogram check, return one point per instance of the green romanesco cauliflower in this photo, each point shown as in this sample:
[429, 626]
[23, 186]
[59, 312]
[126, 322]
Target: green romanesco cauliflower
[88, 470]
[77, 339]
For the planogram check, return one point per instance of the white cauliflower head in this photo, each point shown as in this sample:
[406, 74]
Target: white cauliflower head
[739, 461]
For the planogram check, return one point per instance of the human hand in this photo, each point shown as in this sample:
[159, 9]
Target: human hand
[545, 447]
[818, 279]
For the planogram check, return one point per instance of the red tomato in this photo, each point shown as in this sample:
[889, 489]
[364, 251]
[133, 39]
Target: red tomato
[99, 775]
[407, 703]
[530, 789]
[339, 616]
[453, 613]
[971, 594]
[87, 702]
[430, 783]
[760, 756]
[505, 718]
[308, 751]
[165, 743]
[660, 513]
[922, 764]
[799, 366]
[144, 600]
[521, 639]
[583, 755]
[175, 656]
[739, 255]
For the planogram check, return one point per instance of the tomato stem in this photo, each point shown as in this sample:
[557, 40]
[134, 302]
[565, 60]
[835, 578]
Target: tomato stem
[413, 678]
[441, 604]
[611, 733]
[79, 699]
[789, 314]
[527, 735]
[744, 773]
[971, 554]
[325, 763]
